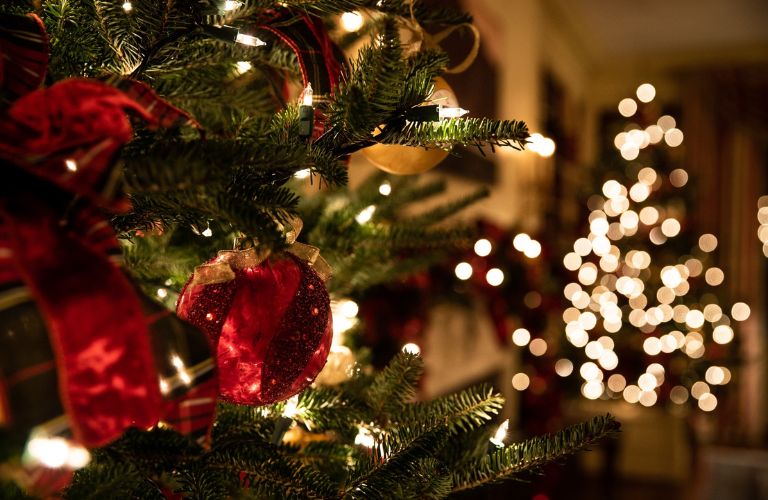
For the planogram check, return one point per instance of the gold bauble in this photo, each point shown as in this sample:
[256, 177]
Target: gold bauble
[409, 160]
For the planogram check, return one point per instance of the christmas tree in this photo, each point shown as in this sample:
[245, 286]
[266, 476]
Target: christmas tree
[645, 307]
[214, 114]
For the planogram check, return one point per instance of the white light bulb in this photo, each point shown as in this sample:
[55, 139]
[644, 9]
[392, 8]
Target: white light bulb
[365, 214]
[231, 5]
[445, 112]
[351, 21]
[463, 270]
[127, 7]
[243, 67]
[302, 174]
[249, 40]
[411, 348]
[385, 189]
[483, 247]
[308, 95]
[494, 276]
[71, 165]
[291, 407]
[365, 438]
[500, 434]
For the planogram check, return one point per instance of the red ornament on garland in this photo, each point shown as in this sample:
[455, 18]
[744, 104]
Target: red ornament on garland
[269, 320]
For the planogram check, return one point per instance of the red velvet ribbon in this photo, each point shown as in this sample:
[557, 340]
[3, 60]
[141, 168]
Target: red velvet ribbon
[59, 145]
[107, 377]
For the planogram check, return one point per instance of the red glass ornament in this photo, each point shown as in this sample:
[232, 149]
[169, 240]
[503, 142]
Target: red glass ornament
[270, 323]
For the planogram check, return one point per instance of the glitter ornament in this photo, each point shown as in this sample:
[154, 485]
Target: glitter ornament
[269, 319]
[409, 160]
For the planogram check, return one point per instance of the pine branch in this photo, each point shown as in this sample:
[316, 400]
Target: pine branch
[395, 386]
[466, 131]
[460, 412]
[531, 454]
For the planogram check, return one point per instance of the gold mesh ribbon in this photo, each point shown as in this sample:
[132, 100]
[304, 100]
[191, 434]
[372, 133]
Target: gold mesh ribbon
[222, 269]
[420, 37]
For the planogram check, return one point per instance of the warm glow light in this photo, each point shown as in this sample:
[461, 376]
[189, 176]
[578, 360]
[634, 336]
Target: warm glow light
[627, 107]
[385, 189]
[483, 247]
[249, 40]
[127, 6]
[494, 276]
[243, 67]
[631, 394]
[365, 438]
[670, 227]
[646, 382]
[231, 5]
[291, 407]
[532, 249]
[666, 122]
[678, 394]
[714, 276]
[698, 389]
[538, 347]
[617, 382]
[520, 381]
[302, 174]
[572, 261]
[463, 270]
[365, 214]
[520, 241]
[412, 348]
[563, 367]
[307, 97]
[715, 375]
[707, 402]
[678, 177]
[590, 371]
[500, 435]
[521, 337]
[592, 389]
[673, 137]
[740, 311]
[71, 165]
[351, 21]
[646, 92]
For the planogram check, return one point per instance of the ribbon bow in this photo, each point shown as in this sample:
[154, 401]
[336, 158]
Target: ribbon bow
[221, 269]
[58, 147]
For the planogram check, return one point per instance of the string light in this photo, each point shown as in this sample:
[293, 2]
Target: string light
[520, 381]
[302, 174]
[230, 5]
[483, 247]
[365, 438]
[385, 188]
[351, 21]
[243, 67]
[494, 276]
[627, 107]
[365, 214]
[412, 348]
[646, 92]
[127, 6]
[291, 408]
[500, 435]
[57, 452]
[249, 40]
[71, 165]
[543, 146]
[463, 270]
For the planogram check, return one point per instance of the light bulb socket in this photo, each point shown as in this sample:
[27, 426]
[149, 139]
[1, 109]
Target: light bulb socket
[306, 121]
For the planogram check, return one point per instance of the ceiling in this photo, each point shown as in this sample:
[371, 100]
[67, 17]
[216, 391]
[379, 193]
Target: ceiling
[617, 29]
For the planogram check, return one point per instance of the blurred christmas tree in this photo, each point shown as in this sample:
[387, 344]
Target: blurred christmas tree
[274, 103]
[645, 307]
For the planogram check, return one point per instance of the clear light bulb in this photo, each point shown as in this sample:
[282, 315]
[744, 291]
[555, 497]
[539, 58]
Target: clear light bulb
[450, 112]
[249, 40]
[308, 95]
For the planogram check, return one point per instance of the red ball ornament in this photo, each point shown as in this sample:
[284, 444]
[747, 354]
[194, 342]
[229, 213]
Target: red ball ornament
[269, 320]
